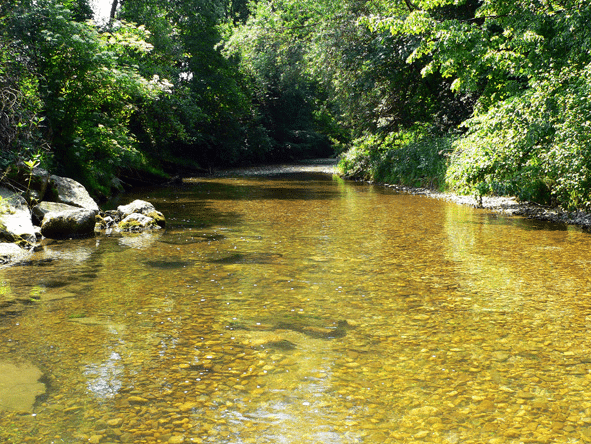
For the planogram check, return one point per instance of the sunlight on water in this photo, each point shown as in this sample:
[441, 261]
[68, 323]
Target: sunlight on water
[302, 308]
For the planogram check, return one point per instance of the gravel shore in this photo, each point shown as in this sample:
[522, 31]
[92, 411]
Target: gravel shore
[508, 205]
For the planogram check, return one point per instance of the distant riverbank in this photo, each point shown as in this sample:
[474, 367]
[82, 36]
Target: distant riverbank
[327, 166]
[506, 205]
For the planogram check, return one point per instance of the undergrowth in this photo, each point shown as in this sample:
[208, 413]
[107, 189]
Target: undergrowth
[411, 159]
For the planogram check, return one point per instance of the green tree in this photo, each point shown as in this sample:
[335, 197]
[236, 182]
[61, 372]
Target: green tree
[528, 63]
[20, 101]
[90, 88]
[371, 81]
[208, 116]
[273, 47]
[20, 106]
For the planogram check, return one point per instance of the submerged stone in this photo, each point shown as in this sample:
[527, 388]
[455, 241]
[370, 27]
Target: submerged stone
[282, 344]
[137, 400]
[19, 386]
[166, 265]
[250, 258]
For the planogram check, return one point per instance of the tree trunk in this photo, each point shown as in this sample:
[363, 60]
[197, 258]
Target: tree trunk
[113, 10]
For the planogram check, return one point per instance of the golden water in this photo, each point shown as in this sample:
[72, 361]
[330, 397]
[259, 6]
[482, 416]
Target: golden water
[305, 309]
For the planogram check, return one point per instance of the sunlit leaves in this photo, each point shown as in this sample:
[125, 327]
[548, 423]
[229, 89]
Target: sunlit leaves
[536, 152]
[127, 36]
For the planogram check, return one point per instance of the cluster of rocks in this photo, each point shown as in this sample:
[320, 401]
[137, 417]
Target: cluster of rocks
[39, 205]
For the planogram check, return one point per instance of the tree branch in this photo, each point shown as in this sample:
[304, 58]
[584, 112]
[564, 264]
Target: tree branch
[410, 5]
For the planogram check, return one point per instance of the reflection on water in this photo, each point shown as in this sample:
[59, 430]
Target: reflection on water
[305, 309]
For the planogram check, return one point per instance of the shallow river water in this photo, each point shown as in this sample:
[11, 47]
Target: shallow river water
[300, 308]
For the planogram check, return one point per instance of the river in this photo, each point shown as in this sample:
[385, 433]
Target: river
[298, 307]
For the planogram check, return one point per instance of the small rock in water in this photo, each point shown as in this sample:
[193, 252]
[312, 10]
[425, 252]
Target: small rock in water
[176, 440]
[114, 422]
[187, 406]
[137, 400]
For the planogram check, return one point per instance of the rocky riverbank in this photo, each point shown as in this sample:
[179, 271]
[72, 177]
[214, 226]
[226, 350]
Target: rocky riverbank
[39, 205]
[35, 205]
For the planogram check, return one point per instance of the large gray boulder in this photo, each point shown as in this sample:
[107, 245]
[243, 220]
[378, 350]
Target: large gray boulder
[69, 223]
[68, 191]
[15, 219]
[41, 209]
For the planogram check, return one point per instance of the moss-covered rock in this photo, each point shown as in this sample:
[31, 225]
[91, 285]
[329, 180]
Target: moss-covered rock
[138, 222]
[139, 215]
[158, 218]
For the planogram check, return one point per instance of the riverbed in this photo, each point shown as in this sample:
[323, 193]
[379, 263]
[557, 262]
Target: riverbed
[292, 306]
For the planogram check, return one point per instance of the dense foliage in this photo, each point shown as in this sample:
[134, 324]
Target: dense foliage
[80, 89]
[477, 96]
[528, 63]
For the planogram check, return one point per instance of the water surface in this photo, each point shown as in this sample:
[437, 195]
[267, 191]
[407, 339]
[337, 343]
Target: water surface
[302, 308]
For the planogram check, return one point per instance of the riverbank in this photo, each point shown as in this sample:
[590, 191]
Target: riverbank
[36, 206]
[505, 205]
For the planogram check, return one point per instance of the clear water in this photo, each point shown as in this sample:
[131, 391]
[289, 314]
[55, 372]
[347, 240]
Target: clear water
[302, 308]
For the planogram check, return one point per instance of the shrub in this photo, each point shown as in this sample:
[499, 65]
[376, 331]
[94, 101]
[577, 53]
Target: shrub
[535, 146]
[407, 158]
